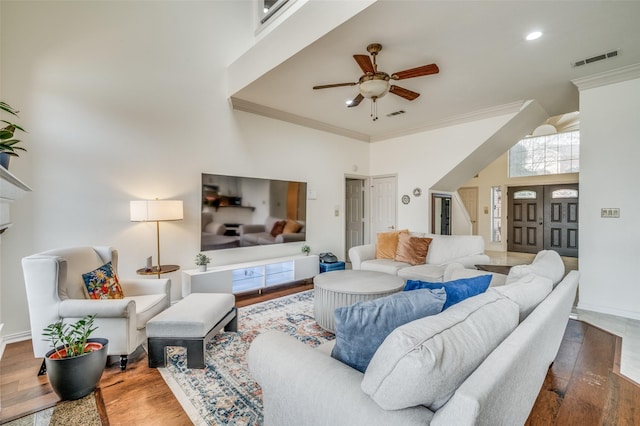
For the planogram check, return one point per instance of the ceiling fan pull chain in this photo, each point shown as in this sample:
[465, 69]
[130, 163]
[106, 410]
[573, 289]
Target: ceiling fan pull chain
[374, 109]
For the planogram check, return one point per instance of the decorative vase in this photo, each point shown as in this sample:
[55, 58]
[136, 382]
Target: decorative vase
[76, 377]
[202, 268]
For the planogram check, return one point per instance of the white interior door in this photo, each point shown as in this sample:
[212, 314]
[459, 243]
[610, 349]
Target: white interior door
[384, 205]
[354, 213]
[469, 197]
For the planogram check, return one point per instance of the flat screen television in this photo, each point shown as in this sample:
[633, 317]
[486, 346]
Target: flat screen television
[242, 211]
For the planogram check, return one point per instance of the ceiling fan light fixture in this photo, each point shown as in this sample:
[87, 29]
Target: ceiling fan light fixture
[374, 88]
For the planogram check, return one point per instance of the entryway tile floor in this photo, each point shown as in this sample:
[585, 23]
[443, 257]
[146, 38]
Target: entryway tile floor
[628, 329]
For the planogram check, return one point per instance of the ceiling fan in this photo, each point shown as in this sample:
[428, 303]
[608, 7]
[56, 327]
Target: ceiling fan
[374, 84]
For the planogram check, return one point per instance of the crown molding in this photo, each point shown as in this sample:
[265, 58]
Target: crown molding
[253, 108]
[246, 106]
[618, 75]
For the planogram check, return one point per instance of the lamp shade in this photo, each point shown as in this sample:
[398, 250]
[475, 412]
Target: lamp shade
[156, 210]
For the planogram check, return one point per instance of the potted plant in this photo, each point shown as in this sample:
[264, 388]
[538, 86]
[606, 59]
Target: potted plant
[76, 362]
[8, 145]
[305, 249]
[202, 260]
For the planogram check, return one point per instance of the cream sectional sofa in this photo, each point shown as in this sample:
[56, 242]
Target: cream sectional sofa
[465, 250]
[464, 366]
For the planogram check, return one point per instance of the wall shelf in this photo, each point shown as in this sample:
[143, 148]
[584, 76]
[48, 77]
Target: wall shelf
[11, 188]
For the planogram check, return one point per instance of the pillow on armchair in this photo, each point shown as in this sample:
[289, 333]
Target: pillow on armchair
[102, 283]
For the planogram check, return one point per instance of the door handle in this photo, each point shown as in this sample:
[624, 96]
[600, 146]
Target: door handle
[392, 227]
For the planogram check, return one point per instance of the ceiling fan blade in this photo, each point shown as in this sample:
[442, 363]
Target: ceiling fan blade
[416, 72]
[356, 101]
[327, 86]
[365, 63]
[403, 93]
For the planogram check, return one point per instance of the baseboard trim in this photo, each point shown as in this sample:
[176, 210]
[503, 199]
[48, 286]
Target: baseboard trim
[609, 311]
[17, 337]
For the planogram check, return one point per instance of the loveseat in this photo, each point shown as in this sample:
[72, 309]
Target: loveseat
[274, 230]
[465, 250]
[451, 377]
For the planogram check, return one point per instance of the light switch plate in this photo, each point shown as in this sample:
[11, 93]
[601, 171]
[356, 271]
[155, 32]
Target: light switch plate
[610, 212]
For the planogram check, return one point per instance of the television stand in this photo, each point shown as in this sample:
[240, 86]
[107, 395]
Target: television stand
[250, 276]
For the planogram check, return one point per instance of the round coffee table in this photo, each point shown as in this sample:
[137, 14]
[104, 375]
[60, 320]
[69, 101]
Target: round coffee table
[343, 288]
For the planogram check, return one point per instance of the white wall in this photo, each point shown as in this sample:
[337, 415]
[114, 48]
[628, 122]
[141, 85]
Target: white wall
[127, 100]
[422, 159]
[609, 176]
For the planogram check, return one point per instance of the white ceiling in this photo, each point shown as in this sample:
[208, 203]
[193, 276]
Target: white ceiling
[479, 46]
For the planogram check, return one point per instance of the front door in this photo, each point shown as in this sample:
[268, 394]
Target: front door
[543, 217]
[525, 218]
[354, 213]
[383, 205]
[561, 219]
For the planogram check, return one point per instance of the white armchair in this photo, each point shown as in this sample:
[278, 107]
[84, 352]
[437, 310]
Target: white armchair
[56, 290]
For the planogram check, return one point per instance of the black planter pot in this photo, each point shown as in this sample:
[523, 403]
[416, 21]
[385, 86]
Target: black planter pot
[73, 378]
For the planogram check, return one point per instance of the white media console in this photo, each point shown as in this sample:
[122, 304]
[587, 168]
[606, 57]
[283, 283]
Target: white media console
[247, 276]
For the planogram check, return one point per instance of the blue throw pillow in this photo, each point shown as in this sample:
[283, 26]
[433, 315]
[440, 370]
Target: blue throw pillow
[456, 290]
[362, 327]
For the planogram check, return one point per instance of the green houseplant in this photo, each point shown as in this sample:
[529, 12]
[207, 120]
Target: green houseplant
[76, 362]
[8, 144]
[202, 260]
[305, 249]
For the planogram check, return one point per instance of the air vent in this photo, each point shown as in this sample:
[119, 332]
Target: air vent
[391, 114]
[596, 58]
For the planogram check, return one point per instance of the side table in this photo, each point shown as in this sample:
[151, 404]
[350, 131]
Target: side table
[155, 270]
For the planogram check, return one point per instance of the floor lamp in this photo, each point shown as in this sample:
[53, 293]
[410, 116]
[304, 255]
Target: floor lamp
[157, 211]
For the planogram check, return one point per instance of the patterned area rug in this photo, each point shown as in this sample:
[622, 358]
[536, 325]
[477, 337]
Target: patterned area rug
[83, 411]
[224, 393]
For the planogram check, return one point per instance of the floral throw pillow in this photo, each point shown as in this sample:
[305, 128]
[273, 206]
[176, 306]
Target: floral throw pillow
[103, 283]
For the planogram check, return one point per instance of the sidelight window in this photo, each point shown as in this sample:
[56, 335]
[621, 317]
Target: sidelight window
[496, 214]
[546, 155]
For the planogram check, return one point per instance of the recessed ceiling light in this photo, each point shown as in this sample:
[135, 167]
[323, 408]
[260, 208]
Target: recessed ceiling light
[534, 35]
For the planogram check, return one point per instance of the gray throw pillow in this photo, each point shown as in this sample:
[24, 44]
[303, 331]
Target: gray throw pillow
[362, 327]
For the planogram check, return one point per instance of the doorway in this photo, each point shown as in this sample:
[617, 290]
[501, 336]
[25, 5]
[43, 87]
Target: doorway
[354, 214]
[469, 197]
[543, 217]
[441, 214]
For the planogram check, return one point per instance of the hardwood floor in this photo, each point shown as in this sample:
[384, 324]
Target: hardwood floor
[583, 386]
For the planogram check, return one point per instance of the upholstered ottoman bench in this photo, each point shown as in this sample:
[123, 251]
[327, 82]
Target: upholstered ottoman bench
[190, 323]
